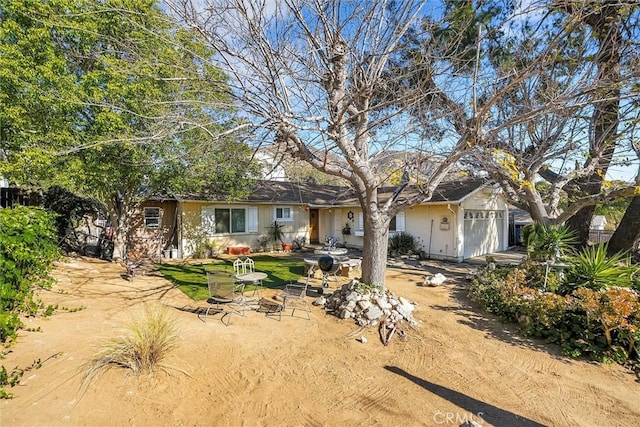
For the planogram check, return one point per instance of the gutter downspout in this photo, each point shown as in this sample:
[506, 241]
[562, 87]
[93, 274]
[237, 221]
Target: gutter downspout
[455, 231]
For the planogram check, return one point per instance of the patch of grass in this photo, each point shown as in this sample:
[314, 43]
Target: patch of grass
[192, 279]
[145, 343]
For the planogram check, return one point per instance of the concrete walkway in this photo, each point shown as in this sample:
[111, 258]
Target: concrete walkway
[509, 257]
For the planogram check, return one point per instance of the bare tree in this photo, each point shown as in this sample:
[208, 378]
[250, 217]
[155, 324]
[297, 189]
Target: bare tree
[311, 74]
[338, 83]
[570, 147]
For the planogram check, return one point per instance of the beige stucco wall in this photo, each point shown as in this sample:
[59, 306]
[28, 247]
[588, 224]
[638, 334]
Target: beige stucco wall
[191, 221]
[418, 220]
[485, 199]
[438, 238]
[435, 229]
[152, 241]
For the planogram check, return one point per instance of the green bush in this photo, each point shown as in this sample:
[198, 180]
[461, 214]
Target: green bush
[602, 324]
[27, 250]
[547, 242]
[592, 268]
[401, 244]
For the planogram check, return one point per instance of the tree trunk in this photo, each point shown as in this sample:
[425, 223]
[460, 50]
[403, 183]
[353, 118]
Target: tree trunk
[374, 251]
[627, 235]
[119, 243]
[117, 217]
[580, 224]
[607, 29]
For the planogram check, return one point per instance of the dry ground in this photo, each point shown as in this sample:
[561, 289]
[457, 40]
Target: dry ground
[457, 364]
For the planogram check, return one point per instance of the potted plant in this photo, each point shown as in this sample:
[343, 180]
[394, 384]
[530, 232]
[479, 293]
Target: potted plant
[346, 230]
[276, 233]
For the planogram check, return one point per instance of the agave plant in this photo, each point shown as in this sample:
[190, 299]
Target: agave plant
[592, 268]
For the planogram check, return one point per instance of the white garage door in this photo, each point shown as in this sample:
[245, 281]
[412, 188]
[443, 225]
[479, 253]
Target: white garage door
[483, 232]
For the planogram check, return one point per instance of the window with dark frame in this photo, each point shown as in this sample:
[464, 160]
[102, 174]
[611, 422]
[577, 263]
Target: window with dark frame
[152, 217]
[229, 221]
[284, 214]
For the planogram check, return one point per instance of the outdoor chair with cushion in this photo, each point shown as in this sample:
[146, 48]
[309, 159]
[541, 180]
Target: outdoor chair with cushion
[225, 296]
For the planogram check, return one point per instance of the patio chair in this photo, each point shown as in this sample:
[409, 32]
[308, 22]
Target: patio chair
[293, 297]
[225, 296]
[310, 265]
[247, 266]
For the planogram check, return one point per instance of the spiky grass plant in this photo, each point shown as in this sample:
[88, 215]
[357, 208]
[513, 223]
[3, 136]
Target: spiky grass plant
[145, 343]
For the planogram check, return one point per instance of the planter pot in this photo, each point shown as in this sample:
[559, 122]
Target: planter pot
[238, 250]
[286, 246]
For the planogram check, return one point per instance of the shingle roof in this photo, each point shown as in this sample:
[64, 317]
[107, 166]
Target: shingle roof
[447, 191]
[283, 192]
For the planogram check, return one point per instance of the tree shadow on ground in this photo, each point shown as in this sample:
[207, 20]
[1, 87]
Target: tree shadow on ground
[474, 317]
[458, 281]
[475, 410]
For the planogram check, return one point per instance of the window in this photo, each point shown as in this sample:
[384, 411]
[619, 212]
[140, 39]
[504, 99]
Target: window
[283, 214]
[152, 217]
[397, 223]
[359, 225]
[225, 220]
[230, 221]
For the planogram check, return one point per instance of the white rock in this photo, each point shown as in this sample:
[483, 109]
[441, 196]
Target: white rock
[373, 312]
[383, 303]
[364, 304]
[405, 310]
[438, 279]
[353, 296]
[363, 340]
[320, 301]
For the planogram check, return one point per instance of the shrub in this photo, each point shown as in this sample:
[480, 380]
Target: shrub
[27, 251]
[263, 241]
[299, 242]
[616, 312]
[602, 324]
[401, 244]
[495, 290]
[547, 242]
[592, 268]
[147, 341]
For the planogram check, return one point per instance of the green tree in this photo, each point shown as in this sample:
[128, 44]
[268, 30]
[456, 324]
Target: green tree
[114, 100]
[567, 124]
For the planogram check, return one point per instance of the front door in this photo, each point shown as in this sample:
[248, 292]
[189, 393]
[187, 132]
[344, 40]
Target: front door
[314, 225]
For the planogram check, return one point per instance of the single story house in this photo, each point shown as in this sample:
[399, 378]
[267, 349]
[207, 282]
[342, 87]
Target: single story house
[463, 219]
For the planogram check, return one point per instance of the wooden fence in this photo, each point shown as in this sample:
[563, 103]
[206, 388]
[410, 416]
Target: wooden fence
[600, 236]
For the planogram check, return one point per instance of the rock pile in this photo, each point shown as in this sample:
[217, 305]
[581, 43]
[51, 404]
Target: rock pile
[368, 305]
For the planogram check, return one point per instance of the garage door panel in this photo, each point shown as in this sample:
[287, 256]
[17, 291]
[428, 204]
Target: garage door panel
[483, 232]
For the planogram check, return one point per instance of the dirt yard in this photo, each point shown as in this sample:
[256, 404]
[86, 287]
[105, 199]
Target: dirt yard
[456, 365]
